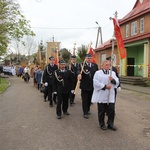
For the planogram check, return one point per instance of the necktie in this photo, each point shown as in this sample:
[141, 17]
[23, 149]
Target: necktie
[88, 64]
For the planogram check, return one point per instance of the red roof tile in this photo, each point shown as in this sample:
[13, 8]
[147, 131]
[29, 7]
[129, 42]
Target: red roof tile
[138, 9]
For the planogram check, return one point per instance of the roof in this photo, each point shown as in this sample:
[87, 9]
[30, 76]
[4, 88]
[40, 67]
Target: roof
[105, 45]
[139, 9]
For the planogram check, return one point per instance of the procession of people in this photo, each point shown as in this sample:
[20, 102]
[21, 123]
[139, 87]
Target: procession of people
[59, 83]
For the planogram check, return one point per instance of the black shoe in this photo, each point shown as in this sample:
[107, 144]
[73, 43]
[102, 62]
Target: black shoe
[66, 113]
[58, 117]
[50, 104]
[86, 116]
[89, 113]
[103, 127]
[112, 127]
[44, 100]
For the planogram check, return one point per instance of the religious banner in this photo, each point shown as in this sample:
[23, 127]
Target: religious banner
[93, 56]
[56, 57]
[120, 43]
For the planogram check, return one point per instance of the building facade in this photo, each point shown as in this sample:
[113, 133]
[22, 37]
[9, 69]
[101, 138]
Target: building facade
[136, 36]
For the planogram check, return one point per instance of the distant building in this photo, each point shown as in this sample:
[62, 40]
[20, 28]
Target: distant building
[136, 35]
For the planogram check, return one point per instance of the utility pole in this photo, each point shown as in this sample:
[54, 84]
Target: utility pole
[99, 32]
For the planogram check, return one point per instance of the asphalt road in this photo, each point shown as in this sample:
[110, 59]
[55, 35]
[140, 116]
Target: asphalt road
[28, 123]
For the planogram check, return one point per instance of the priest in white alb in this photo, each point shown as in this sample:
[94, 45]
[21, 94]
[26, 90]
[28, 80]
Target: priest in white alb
[104, 82]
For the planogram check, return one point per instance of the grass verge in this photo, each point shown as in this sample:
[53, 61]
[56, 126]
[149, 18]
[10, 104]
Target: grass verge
[3, 84]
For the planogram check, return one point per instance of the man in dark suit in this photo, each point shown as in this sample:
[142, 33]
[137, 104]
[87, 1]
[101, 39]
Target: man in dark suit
[86, 84]
[74, 68]
[62, 87]
[48, 80]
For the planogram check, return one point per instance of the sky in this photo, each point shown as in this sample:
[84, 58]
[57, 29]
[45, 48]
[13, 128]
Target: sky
[73, 21]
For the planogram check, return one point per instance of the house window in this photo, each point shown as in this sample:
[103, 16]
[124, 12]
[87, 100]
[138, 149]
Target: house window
[134, 28]
[142, 25]
[127, 30]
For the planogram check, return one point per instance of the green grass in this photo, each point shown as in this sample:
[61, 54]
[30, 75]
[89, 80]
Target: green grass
[3, 85]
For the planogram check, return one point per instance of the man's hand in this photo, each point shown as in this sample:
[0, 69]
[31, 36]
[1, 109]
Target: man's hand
[79, 77]
[46, 84]
[119, 88]
[72, 91]
[108, 86]
[110, 78]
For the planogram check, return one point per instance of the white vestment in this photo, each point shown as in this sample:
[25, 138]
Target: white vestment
[99, 81]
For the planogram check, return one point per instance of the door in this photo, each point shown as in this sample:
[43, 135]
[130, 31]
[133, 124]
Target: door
[130, 68]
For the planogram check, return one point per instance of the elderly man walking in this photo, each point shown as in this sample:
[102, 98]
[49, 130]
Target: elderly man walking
[104, 83]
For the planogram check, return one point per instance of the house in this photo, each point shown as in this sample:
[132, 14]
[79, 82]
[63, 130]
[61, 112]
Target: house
[135, 29]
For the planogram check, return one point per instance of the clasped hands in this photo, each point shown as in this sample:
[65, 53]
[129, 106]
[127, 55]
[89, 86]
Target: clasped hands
[108, 86]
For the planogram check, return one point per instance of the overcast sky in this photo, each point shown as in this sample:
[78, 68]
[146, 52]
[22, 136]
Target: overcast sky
[71, 21]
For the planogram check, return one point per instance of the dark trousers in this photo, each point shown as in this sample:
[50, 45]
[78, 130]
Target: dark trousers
[72, 97]
[62, 103]
[48, 92]
[104, 108]
[39, 86]
[86, 101]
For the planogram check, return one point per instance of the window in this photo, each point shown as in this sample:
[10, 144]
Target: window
[134, 28]
[142, 25]
[127, 30]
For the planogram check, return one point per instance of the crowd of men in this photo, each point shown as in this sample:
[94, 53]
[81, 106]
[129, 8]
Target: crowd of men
[59, 85]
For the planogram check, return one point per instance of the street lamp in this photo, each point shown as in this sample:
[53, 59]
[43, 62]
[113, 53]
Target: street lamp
[98, 32]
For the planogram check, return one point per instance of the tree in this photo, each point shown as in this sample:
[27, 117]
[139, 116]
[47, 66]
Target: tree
[13, 24]
[66, 54]
[30, 46]
[81, 52]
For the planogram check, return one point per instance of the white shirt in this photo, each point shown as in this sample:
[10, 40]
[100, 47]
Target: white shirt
[26, 70]
[99, 81]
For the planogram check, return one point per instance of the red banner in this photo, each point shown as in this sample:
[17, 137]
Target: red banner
[121, 48]
[93, 56]
[56, 57]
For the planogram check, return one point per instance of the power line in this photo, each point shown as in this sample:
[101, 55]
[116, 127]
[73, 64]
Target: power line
[63, 28]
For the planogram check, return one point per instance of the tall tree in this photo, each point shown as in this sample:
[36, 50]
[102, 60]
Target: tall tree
[13, 24]
[81, 52]
[66, 54]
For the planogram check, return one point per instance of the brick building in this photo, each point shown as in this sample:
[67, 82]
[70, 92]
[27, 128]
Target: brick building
[136, 35]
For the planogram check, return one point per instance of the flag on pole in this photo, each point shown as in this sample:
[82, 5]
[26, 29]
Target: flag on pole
[56, 57]
[92, 53]
[120, 43]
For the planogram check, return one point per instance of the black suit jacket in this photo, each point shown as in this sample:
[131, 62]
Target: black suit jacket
[48, 75]
[115, 70]
[63, 82]
[75, 70]
[87, 77]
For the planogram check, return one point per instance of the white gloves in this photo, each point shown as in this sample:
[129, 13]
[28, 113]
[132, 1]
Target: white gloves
[46, 84]
[55, 93]
[119, 89]
[72, 91]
